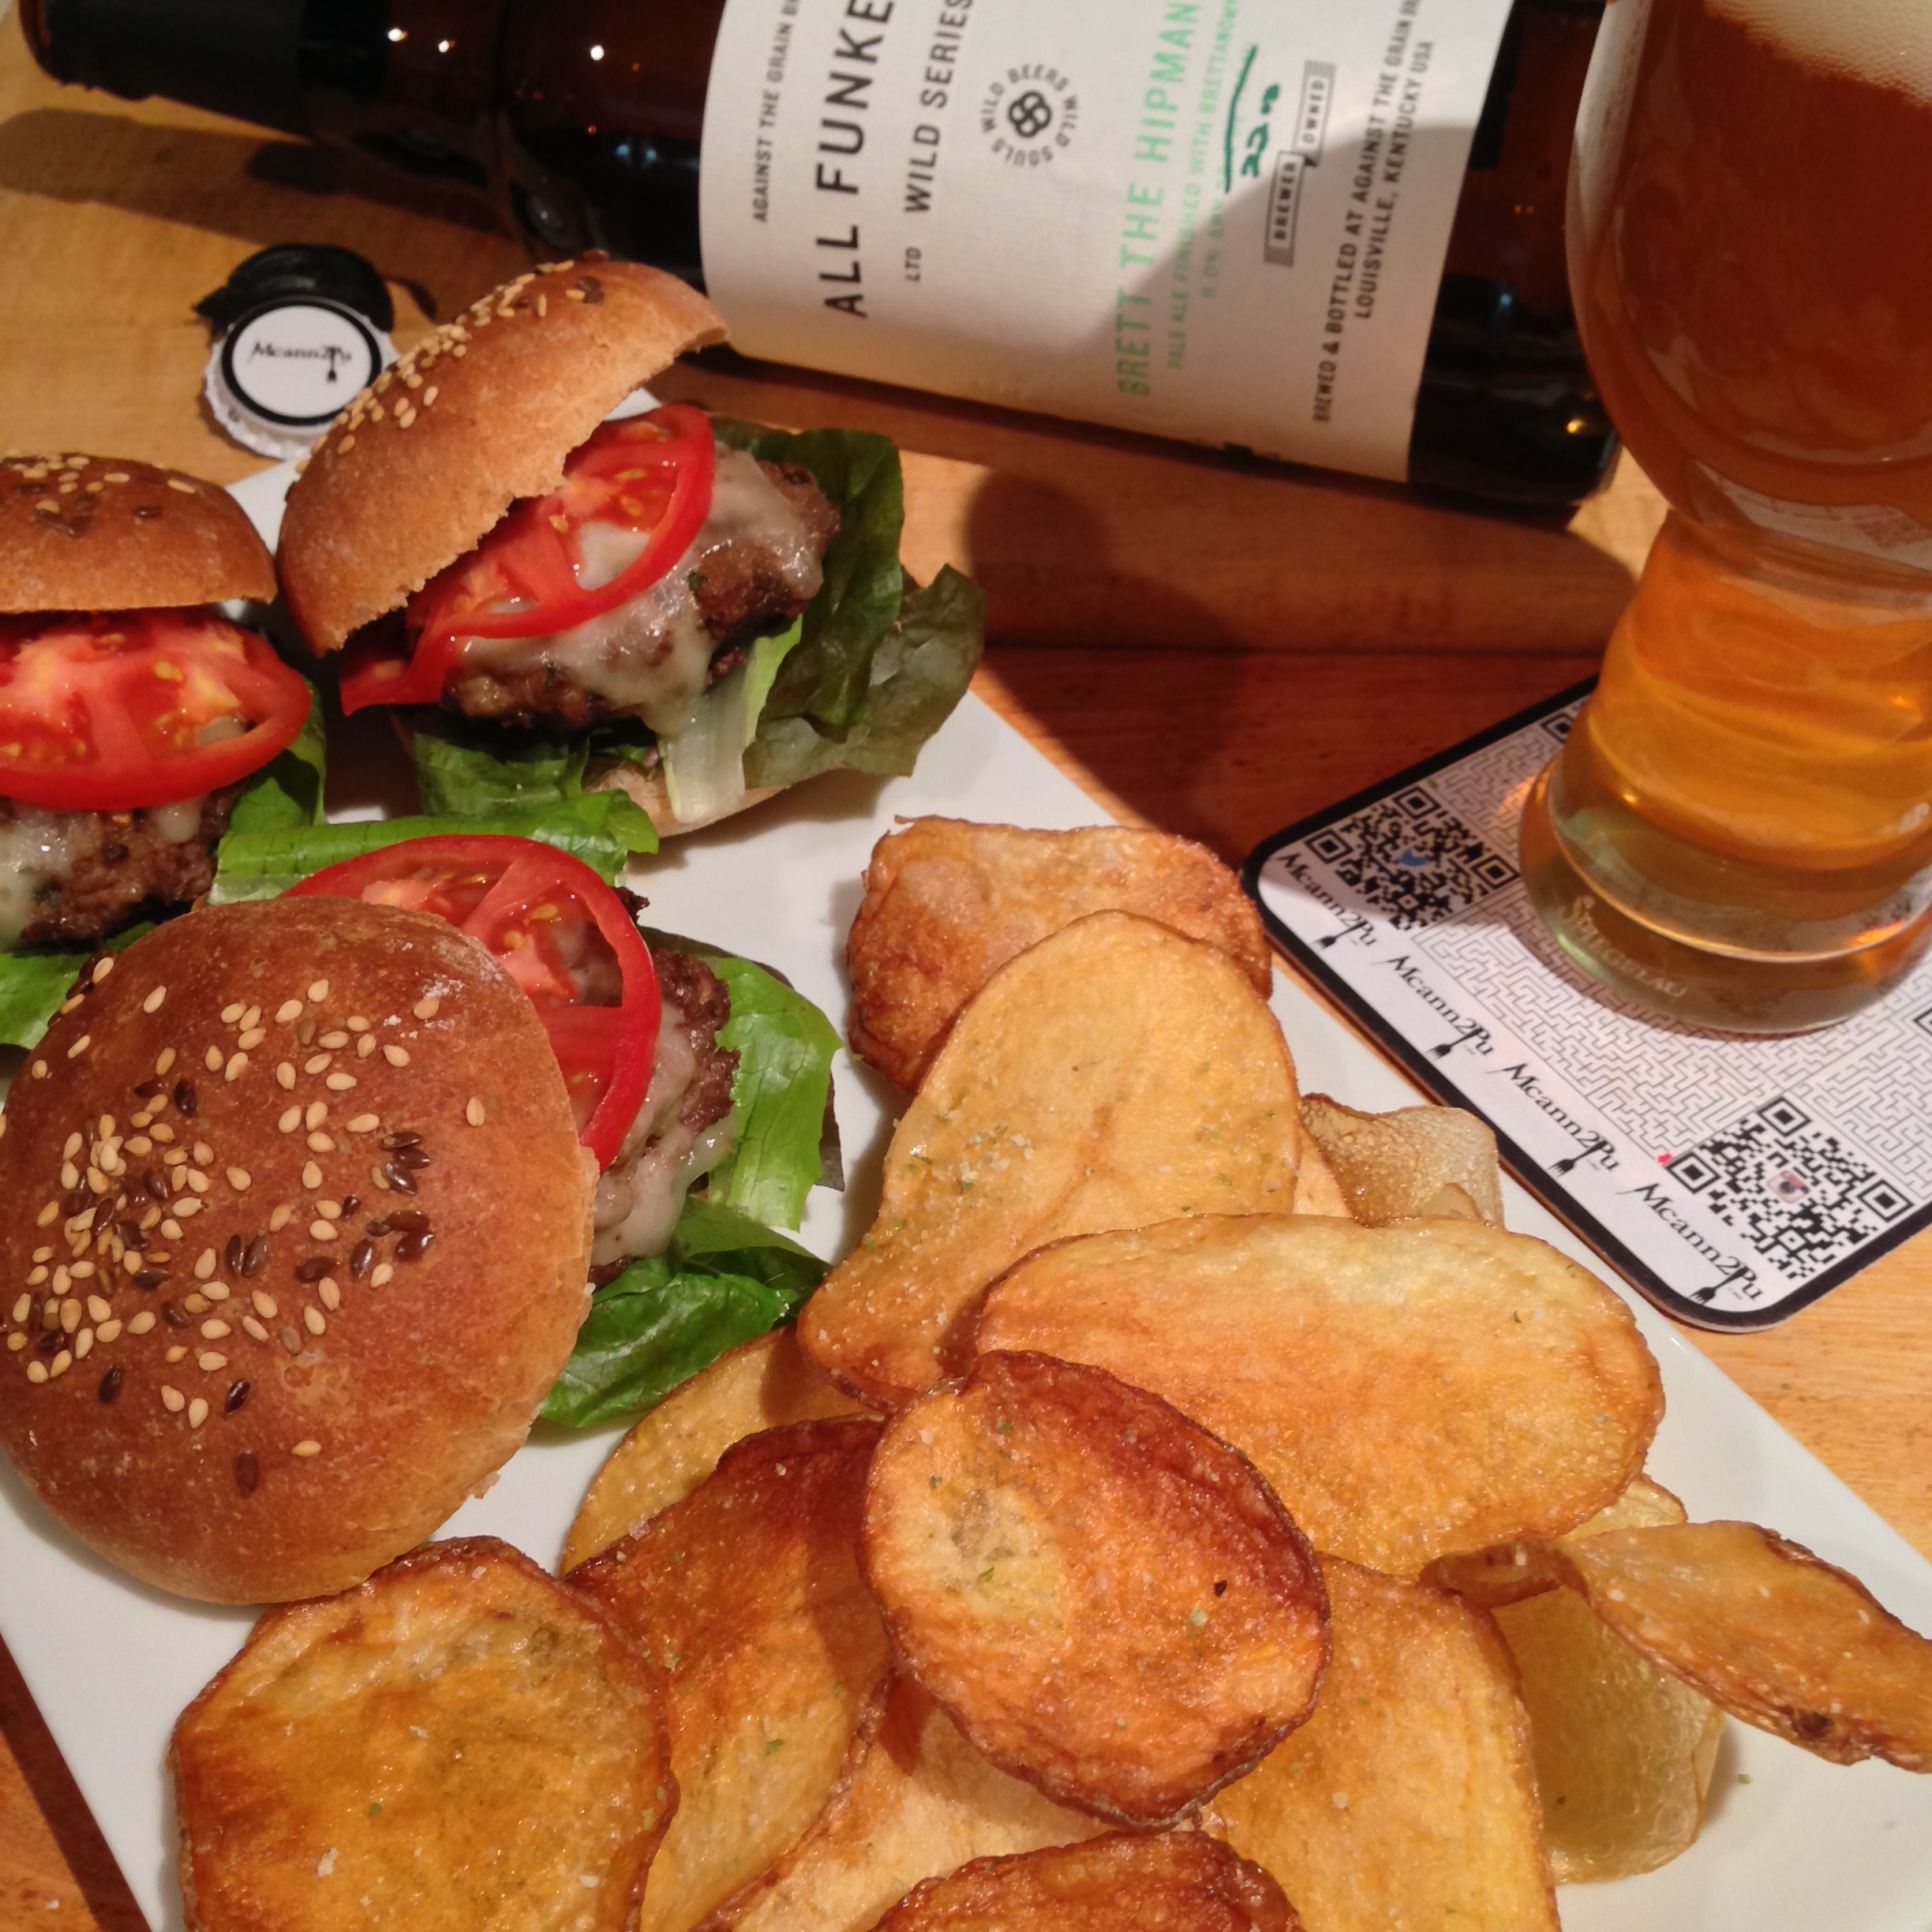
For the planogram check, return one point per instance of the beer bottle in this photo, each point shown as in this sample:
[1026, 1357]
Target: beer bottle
[1328, 231]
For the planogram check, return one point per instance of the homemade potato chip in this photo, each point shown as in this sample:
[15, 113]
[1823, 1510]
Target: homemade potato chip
[748, 1594]
[763, 1384]
[1316, 1190]
[1408, 1391]
[1408, 1799]
[1114, 1075]
[948, 904]
[462, 1744]
[1429, 1161]
[1112, 1603]
[1765, 1629]
[915, 1800]
[1179, 1881]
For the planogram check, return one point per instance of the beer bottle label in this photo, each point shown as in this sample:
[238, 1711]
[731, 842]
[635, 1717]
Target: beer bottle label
[1219, 219]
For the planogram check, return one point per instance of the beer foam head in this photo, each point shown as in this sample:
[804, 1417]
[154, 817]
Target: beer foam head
[1888, 43]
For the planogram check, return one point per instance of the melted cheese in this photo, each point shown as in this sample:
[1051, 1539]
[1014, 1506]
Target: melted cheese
[652, 656]
[39, 849]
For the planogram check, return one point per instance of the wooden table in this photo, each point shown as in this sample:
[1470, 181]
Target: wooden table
[1212, 646]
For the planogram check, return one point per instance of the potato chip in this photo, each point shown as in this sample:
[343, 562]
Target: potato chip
[1114, 1075]
[1408, 1391]
[948, 904]
[1624, 1751]
[1765, 1629]
[462, 1744]
[763, 1383]
[748, 1594]
[915, 1800]
[1317, 1191]
[1112, 1603]
[1407, 1799]
[1431, 1161]
[1179, 1881]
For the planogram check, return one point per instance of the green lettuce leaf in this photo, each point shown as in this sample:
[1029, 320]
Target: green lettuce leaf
[601, 828]
[34, 983]
[723, 1279]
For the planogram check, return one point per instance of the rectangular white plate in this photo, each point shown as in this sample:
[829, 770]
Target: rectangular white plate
[1792, 1845]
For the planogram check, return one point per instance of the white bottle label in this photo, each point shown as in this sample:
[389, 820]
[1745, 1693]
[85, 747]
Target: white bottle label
[1220, 219]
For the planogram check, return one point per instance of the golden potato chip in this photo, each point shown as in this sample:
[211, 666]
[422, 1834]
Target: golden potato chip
[1112, 1603]
[1114, 1075]
[1178, 1881]
[763, 1384]
[462, 1744]
[1317, 1191]
[1429, 1161]
[1408, 1391]
[1765, 1629]
[748, 1594]
[948, 904]
[1623, 1752]
[1407, 1799]
[915, 1800]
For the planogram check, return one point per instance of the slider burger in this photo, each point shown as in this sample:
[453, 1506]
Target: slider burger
[720, 616]
[132, 713]
[294, 1230]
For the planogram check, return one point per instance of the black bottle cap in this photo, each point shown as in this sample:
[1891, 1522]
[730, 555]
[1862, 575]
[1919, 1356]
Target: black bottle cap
[237, 57]
[292, 268]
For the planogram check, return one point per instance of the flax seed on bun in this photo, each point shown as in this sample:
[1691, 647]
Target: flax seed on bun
[102, 534]
[294, 1234]
[398, 487]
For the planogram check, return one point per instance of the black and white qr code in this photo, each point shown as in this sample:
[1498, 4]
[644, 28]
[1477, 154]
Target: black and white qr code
[1790, 1188]
[1410, 861]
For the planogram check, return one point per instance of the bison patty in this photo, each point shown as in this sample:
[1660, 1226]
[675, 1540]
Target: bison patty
[78, 876]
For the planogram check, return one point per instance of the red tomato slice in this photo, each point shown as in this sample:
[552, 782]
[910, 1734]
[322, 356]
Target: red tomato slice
[565, 938]
[131, 708]
[650, 472]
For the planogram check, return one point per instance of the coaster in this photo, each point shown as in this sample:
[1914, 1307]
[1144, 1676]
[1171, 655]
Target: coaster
[1733, 1180]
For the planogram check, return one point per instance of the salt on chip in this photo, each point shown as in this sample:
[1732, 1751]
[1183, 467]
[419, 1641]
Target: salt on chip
[915, 1800]
[748, 1595]
[1113, 1075]
[461, 1744]
[1408, 1391]
[1432, 1162]
[1767, 1631]
[763, 1384]
[1408, 1799]
[949, 903]
[1112, 1603]
[1179, 1881]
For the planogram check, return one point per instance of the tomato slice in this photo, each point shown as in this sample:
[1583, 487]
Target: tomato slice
[653, 473]
[111, 712]
[564, 937]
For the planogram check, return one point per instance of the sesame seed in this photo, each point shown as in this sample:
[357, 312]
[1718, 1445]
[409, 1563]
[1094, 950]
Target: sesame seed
[365, 1046]
[172, 1228]
[356, 1024]
[328, 1295]
[339, 1083]
[308, 1447]
[238, 1179]
[97, 1307]
[248, 1042]
[116, 476]
[429, 395]
[101, 968]
[36, 1371]
[72, 1146]
[186, 489]
[314, 1063]
[198, 1409]
[318, 991]
[290, 1120]
[321, 1144]
[70, 1314]
[381, 1274]
[365, 1123]
[288, 1010]
[83, 1344]
[264, 1303]
[472, 1111]
[285, 1076]
[196, 1179]
[396, 1056]
[39, 1069]
[109, 1330]
[209, 1361]
[321, 1230]
[345, 446]
[141, 1323]
[312, 1321]
[195, 1304]
[23, 1307]
[79, 1046]
[316, 1113]
[166, 1058]
[216, 1291]
[233, 1012]
[311, 1176]
[329, 1210]
[214, 1328]
[172, 1399]
[426, 1009]
[61, 1363]
[47, 1214]
[254, 1328]
[283, 1214]
[17, 1342]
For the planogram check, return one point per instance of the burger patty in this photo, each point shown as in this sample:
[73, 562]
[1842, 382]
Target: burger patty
[703, 1004]
[740, 592]
[101, 866]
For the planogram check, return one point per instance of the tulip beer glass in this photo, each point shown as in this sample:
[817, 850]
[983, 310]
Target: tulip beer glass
[1739, 830]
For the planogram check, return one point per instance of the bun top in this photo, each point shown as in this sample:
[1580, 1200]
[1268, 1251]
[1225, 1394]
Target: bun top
[294, 1231]
[101, 533]
[425, 461]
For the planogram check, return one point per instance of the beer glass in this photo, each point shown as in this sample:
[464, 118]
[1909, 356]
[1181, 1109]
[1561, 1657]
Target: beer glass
[1739, 831]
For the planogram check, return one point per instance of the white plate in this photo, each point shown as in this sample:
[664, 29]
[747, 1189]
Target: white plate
[1792, 1845]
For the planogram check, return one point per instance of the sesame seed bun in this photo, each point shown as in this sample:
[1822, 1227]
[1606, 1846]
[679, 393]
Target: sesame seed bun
[386, 1365]
[425, 462]
[101, 534]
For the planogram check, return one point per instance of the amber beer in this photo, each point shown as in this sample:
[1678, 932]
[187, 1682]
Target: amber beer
[1740, 828]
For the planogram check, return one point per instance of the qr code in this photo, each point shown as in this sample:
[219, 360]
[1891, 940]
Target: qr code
[1411, 861]
[1790, 1187]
